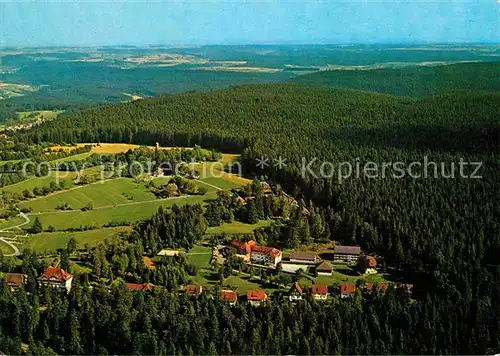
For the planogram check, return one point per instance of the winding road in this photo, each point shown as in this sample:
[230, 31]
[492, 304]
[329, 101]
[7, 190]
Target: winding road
[8, 242]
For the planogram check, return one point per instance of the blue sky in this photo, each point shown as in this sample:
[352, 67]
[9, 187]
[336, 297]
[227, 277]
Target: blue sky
[92, 23]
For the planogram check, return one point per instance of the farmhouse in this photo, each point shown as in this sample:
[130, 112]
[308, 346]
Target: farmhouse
[346, 254]
[56, 277]
[367, 265]
[304, 257]
[324, 269]
[347, 290]
[229, 296]
[256, 297]
[193, 290]
[295, 292]
[15, 280]
[257, 254]
[319, 292]
[142, 287]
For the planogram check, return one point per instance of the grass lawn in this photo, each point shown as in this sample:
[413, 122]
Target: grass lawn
[113, 192]
[129, 213]
[5, 224]
[220, 182]
[73, 158]
[46, 114]
[39, 182]
[6, 249]
[237, 227]
[51, 241]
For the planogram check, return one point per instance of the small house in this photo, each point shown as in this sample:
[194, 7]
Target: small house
[304, 257]
[367, 265]
[319, 292]
[193, 290]
[229, 296]
[256, 297]
[324, 269]
[347, 290]
[380, 287]
[295, 292]
[15, 280]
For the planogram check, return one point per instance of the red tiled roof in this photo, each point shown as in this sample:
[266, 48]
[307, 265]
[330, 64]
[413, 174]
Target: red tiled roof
[55, 274]
[324, 267]
[192, 289]
[15, 279]
[371, 261]
[228, 295]
[319, 289]
[269, 251]
[143, 287]
[257, 295]
[250, 246]
[347, 288]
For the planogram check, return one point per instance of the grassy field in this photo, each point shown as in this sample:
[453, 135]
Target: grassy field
[5, 224]
[108, 193]
[6, 249]
[237, 227]
[43, 114]
[200, 256]
[126, 213]
[112, 148]
[51, 241]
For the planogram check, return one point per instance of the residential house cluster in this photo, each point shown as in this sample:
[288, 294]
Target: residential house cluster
[56, 277]
[262, 255]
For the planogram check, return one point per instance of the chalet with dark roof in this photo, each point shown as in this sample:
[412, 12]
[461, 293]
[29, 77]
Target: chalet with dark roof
[324, 269]
[346, 254]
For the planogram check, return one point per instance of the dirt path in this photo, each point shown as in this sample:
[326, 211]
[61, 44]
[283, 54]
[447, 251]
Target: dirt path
[8, 242]
[210, 185]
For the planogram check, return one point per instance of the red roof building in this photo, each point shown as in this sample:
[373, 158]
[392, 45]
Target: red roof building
[381, 287]
[141, 287]
[319, 292]
[56, 277]
[228, 295]
[347, 290]
[258, 254]
[255, 297]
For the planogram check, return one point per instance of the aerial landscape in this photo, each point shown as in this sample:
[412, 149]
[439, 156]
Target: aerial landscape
[264, 178]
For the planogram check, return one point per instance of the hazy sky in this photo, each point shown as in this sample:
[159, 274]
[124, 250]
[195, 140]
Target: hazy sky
[84, 22]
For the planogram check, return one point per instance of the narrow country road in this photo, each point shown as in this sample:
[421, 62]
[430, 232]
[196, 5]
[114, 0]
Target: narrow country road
[18, 226]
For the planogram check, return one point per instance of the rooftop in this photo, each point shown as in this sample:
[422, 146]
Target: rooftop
[257, 295]
[347, 250]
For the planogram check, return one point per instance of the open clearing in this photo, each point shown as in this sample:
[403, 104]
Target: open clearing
[125, 214]
[51, 241]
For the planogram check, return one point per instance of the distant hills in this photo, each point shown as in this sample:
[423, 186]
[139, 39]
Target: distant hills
[411, 81]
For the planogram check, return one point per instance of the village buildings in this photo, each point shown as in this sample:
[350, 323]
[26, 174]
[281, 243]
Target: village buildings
[347, 290]
[56, 277]
[367, 265]
[262, 255]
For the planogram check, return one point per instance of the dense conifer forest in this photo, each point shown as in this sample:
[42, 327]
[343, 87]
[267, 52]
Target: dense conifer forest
[441, 234]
